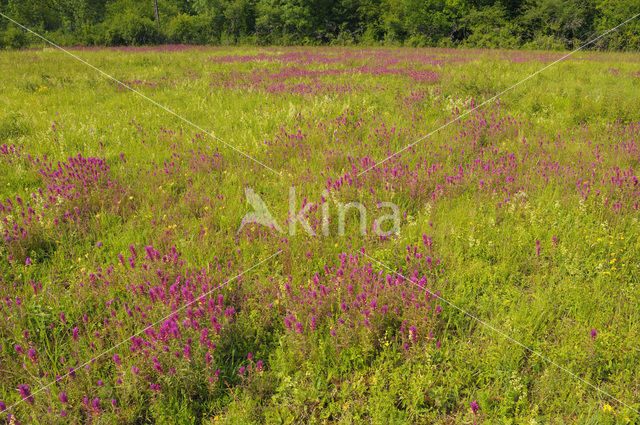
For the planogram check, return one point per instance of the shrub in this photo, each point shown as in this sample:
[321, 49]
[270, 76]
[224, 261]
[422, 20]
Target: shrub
[62, 38]
[90, 35]
[131, 30]
[491, 28]
[186, 29]
[16, 38]
[344, 38]
[547, 42]
[372, 36]
[418, 40]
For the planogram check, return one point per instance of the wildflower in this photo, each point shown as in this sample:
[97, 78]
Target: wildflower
[186, 352]
[63, 413]
[117, 360]
[413, 334]
[475, 407]
[28, 262]
[25, 393]
[96, 404]
[241, 370]
[259, 366]
[594, 333]
[63, 398]
[607, 409]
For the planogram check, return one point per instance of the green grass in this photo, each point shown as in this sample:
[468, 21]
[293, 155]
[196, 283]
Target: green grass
[51, 104]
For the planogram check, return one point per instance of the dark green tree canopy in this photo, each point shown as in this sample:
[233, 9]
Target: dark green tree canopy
[479, 23]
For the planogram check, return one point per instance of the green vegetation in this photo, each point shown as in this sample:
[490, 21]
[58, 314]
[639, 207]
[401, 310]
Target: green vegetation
[532, 24]
[115, 215]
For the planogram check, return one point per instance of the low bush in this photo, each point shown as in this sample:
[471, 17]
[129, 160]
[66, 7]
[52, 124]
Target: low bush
[15, 38]
[131, 30]
[187, 29]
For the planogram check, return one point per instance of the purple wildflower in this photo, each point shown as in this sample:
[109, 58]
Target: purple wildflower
[33, 355]
[25, 393]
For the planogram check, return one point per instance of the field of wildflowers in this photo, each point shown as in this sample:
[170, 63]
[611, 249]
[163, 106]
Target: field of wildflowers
[510, 294]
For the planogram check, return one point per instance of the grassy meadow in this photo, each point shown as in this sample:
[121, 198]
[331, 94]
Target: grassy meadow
[129, 296]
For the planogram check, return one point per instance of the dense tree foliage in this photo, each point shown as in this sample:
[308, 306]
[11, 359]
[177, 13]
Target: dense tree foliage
[480, 23]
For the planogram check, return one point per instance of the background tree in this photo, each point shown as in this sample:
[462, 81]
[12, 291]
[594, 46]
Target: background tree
[481, 23]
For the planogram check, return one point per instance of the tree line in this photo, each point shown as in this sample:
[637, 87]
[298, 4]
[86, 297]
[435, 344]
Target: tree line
[532, 24]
